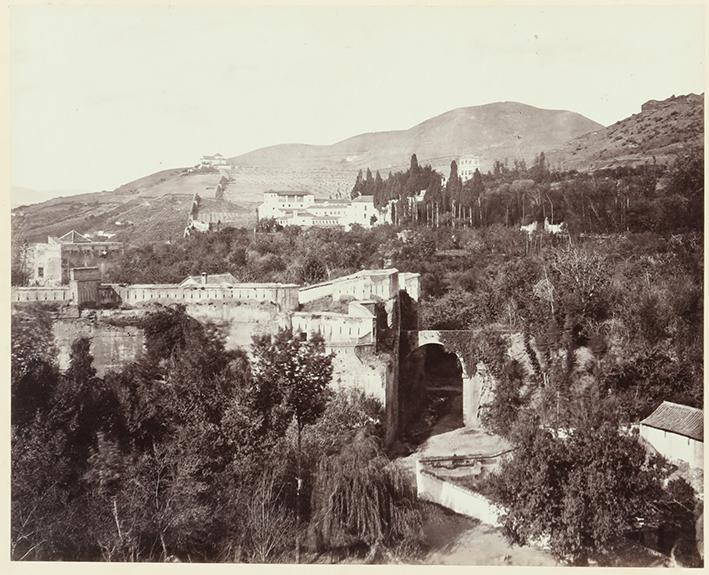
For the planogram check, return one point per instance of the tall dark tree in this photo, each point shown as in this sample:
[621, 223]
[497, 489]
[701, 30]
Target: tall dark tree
[454, 187]
[414, 167]
[358, 186]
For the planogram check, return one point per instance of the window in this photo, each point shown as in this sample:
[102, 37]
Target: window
[40, 272]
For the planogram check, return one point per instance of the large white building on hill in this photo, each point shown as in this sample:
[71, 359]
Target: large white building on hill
[305, 210]
[467, 167]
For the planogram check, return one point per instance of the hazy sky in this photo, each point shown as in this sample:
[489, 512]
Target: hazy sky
[103, 95]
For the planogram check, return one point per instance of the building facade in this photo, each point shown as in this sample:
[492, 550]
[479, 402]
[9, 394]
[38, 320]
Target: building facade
[49, 263]
[467, 166]
[216, 161]
[303, 209]
[676, 432]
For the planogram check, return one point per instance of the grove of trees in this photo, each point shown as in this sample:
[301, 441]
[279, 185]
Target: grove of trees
[192, 453]
[650, 197]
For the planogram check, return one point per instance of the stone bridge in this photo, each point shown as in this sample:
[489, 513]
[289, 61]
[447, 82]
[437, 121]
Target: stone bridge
[477, 382]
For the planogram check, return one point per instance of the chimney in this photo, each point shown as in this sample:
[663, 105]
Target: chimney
[204, 278]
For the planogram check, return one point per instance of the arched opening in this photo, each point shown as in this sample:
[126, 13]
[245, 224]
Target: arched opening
[430, 393]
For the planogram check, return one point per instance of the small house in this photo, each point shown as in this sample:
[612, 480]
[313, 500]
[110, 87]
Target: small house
[676, 432]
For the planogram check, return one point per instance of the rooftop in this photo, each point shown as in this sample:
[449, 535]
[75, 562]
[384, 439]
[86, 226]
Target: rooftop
[334, 201]
[287, 193]
[74, 237]
[211, 279]
[677, 418]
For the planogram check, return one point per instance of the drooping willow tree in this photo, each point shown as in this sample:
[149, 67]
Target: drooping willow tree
[360, 497]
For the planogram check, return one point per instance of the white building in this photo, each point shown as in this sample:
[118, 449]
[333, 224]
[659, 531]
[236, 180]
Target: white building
[358, 326]
[215, 161]
[467, 167]
[276, 204]
[304, 210]
[676, 432]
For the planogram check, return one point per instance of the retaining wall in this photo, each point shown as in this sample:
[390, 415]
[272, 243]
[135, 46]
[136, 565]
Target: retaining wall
[430, 487]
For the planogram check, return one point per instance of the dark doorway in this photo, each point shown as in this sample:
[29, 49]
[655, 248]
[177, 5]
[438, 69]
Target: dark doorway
[430, 393]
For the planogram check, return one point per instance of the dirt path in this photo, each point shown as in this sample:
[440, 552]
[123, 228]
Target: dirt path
[458, 540]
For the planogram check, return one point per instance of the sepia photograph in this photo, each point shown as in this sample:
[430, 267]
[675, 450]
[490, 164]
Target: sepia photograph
[355, 285]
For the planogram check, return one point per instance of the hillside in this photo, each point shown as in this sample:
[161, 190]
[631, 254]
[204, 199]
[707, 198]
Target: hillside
[153, 208]
[156, 207]
[21, 196]
[491, 132]
[658, 133]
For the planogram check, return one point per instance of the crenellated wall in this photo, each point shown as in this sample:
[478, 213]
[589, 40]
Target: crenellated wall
[364, 358]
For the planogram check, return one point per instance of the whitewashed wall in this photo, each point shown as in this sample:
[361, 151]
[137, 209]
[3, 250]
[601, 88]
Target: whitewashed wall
[674, 447]
[455, 497]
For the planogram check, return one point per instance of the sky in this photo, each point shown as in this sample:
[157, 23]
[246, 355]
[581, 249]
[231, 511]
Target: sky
[102, 95]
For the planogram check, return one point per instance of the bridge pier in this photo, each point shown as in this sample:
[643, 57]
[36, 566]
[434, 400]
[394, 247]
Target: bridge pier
[471, 400]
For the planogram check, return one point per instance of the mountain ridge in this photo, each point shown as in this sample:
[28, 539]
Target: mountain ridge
[470, 130]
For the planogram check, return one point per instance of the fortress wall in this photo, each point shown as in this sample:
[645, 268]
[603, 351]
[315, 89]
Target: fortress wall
[240, 323]
[285, 296]
[363, 285]
[410, 283]
[112, 347]
[315, 291]
[359, 367]
[34, 294]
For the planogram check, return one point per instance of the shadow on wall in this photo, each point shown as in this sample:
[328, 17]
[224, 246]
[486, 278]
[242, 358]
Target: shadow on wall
[430, 393]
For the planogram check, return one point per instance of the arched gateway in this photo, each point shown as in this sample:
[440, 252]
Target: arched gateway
[440, 363]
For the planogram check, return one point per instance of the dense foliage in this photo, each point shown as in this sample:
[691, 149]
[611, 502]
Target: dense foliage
[186, 454]
[646, 198]
[585, 493]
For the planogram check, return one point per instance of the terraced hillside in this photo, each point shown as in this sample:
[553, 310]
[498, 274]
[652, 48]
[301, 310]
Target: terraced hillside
[154, 208]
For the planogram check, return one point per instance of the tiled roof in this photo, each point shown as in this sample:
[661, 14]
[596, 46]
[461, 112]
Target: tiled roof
[676, 418]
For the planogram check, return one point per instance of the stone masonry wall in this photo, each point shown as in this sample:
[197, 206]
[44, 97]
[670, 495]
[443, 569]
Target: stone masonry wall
[112, 347]
[360, 368]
